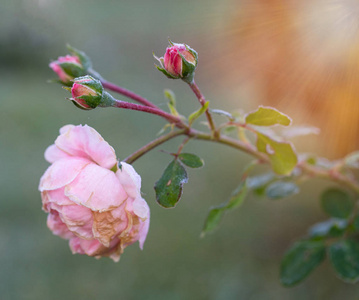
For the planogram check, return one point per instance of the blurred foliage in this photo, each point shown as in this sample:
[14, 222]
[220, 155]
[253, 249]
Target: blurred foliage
[239, 261]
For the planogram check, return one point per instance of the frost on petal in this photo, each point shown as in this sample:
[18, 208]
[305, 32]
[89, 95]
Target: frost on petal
[84, 141]
[96, 188]
[61, 172]
[129, 179]
[58, 227]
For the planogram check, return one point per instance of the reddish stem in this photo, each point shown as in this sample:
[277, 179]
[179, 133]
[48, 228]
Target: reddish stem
[202, 101]
[115, 88]
[155, 111]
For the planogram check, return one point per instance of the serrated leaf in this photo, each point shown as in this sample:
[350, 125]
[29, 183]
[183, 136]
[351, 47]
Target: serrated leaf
[195, 115]
[337, 203]
[169, 187]
[329, 228]
[267, 116]
[281, 154]
[300, 261]
[281, 189]
[344, 255]
[216, 213]
[352, 160]
[191, 160]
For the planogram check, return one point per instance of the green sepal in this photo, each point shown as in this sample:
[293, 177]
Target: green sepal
[72, 69]
[166, 73]
[85, 60]
[169, 187]
[344, 256]
[78, 105]
[107, 100]
[300, 260]
[91, 83]
[92, 101]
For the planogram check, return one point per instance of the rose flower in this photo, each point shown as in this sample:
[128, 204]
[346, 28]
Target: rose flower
[91, 199]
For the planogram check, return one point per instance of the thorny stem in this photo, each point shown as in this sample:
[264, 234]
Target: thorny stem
[120, 90]
[202, 101]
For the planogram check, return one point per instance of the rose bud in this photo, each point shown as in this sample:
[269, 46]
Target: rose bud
[86, 92]
[90, 201]
[71, 66]
[179, 61]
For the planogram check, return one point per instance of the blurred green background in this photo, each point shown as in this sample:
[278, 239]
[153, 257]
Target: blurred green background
[239, 261]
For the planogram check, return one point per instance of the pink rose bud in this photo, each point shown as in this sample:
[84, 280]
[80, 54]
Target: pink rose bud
[86, 92]
[90, 201]
[179, 61]
[71, 66]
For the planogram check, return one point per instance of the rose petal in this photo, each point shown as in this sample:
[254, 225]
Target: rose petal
[53, 154]
[140, 208]
[89, 247]
[129, 179]
[78, 219]
[61, 172]
[58, 227]
[96, 188]
[84, 141]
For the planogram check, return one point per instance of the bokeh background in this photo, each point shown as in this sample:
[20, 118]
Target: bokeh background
[300, 58]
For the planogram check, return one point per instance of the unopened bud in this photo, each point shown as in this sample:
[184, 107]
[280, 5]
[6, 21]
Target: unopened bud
[71, 66]
[179, 61]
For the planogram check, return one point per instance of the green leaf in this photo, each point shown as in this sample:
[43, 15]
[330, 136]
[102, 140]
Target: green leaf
[172, 102]
[337, 203]
[191, 160]
[281, 189]
[223, 113]
[329, 228]
[237, 196]
[214, 217]
[300, 261]
[195, 115]
[216, 213]
[344, 256]
[169, 187]
[295, 131]
[267, 116]
[281, 154]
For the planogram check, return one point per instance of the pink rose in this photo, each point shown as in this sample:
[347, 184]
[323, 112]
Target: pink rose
[65, 66]
[86, 92]
[92, 202]
[173, 60]
[179, 61]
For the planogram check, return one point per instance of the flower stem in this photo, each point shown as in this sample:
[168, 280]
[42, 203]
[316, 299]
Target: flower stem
[156, 111]
[120, 90]
[143, 150]
[202, 101]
